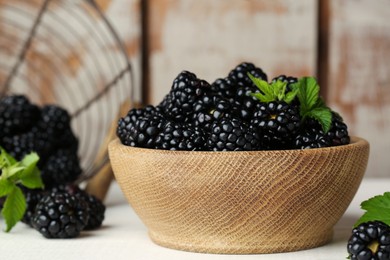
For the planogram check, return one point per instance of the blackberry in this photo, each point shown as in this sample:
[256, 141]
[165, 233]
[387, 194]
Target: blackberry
[55, 125]
[338, 133]
[127, 122]
[370, 240]
[61, 167]
[225, 88]
[32, 198]
[186, 90]
[276, 124]
[145, 131]
[208, 109]
[96, 208]
[288, 79]
[179, 136]
[239, 74]
[19, 145]
[60, 215]
[17, 115]
[312, 136]
[231, 134]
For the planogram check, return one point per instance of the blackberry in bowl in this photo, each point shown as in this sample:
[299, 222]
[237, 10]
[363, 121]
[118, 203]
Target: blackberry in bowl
[276, 180]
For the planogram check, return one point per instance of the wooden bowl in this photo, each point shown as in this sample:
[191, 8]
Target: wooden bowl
[240, 202]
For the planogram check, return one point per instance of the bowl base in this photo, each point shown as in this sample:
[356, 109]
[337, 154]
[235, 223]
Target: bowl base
[242, 247]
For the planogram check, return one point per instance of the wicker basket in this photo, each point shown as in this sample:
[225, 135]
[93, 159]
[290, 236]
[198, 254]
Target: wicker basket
[240, 202]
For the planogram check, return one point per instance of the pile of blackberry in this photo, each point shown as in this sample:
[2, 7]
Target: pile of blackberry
[226, 116]
[46, 130]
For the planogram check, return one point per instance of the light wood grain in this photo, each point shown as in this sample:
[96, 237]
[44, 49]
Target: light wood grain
[240, 202]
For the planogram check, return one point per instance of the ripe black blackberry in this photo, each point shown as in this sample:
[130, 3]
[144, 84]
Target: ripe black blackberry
[208, 109]
[32, 198]
[60, 215]
[186, 90]
[17, 115]
[288, 79]
[61, 167]
[338, 133]
[231, 134]
[225, 88]
[96, 208]
[239, 74]
[20, 144]
[179, 136]
[145, 131]
[312, 135]
[276, 123]
[127, 122]
[370, 240]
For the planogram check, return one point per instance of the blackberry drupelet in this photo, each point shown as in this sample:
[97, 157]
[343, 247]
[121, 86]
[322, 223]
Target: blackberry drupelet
[276, 123]
[61, 167]
[369, 241]
[231, 134]
[17, 115]
[180, 136]
[20, 144]
[60, 215]
[186, 90]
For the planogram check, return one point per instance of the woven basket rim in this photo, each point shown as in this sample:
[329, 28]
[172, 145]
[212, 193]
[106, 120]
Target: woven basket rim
[354, 143]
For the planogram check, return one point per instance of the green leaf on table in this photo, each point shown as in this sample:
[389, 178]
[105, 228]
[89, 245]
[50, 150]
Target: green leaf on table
[377, 209]
[6, 187]
[14, 208]
[13, 174]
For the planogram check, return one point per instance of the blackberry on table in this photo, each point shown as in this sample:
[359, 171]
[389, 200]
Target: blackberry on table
[60, 168]
[231, 134]
[276, 124]
[225, 88]
[60, 215]
[17, 115]
[32, 198]
[370, 240]
[96, 208]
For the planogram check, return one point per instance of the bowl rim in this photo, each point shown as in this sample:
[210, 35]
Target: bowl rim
[354, 143]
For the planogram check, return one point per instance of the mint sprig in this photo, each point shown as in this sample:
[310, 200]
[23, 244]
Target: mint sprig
[311, 105]
[276, 91]
[13, 174]
[377, 209]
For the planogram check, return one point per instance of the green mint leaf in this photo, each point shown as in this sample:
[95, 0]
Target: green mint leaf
[5, 187]
[13, 170]
[13, 208]
[290, 96]
[29, 162]
[33, 180]
[262, 98]
[308, 94]
[6, 158]
[263, 86]
[377, 209]
[323, 115]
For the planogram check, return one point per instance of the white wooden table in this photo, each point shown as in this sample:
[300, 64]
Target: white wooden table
[123, 236]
